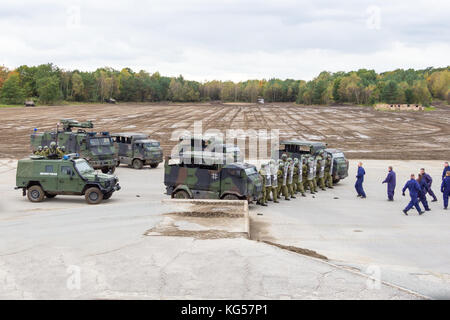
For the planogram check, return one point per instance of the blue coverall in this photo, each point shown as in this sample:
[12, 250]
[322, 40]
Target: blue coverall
[391, 182]
[413, 186]
[422, 194]
[444, 172]
[359, 182]
[445, 189]
[429, 181]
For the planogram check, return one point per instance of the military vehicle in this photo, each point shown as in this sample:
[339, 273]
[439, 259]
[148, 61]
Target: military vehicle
[233, 181]
[39, 177]
[137, 150]
[96, 148]
[296, 148]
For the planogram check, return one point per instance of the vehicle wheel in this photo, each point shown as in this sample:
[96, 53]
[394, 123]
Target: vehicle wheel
[108, 195]
[118, 163]
[137, 164]
[154, 165]
[181, 194]
[105, 169]
[49, 195]
[336, 181]
[35, 194]
[93, 195]
[230, 197]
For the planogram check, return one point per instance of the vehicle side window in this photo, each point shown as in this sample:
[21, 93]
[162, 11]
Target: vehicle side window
[129, 140]
[49, 168]
[66, 170]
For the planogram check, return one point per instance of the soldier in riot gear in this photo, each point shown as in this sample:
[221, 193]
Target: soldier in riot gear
[311, 174]
[290, 178]
[298, 176]
[53, 151]
[280, 177]
[262, 173]
[273, 171]
[321, 169]
[38, 152]
[60, 151]
[45, 152]
[284, 176]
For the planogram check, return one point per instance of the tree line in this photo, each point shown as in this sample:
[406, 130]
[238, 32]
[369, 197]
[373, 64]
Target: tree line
[48, 84]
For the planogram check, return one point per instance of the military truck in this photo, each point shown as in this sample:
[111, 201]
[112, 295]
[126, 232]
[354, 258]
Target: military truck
[236, 181]
[137, 150]
[39, 177]
[296, 148]
[96, 148]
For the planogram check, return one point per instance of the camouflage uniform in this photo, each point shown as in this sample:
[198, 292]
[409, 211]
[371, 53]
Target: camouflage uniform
[305, 173]
[38, 152]
[274, 170]
[60, 151]
[316, 172]
[329, 171]
[298, 176]
[279, 177]
[290, 178]
[284, 174]
[262, 173]
[45, 152]
[321, 170]
[311, 174]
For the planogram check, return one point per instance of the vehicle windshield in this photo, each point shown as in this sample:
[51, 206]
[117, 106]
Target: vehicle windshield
[250, 171]
[338, 155]
[83, 167]
[150, 145]
[100, 142]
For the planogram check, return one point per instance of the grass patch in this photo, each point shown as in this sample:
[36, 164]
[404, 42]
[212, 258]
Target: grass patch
[429, 108]
[10, 105]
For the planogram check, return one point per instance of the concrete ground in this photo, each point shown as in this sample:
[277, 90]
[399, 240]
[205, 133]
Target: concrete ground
[64, 248]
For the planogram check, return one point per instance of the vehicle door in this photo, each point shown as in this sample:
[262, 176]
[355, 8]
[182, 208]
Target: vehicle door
[49, 176]
[68, 179]
[138, 150]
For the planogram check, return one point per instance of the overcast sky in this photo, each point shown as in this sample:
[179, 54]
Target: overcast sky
[226, 39]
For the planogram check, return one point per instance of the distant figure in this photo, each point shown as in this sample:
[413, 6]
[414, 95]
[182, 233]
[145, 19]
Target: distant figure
[423, 191]
[446, 169]
[391, 182]
[445, 188]
[429, 181]
[413, 186]
[359, 181]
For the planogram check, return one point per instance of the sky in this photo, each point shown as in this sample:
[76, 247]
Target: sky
[226, 39]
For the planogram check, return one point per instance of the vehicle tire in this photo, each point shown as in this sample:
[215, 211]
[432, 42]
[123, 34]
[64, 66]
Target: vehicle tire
[336, 181]
[108, 195]
[118, 163]
[35, 193]
[105, 169]
[181, 194]
[49, 195]
[93, 195]
[108, 169]
[154, 165]
[230, 197]
[137, 164]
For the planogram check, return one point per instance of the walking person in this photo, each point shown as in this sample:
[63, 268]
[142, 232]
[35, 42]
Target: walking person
[445, 188]
[423, 191]
[446, 168]
[429, 181]
[359, 181]
[391, 182]
[413, 186]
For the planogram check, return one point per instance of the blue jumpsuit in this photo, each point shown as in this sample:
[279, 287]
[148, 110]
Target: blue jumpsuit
[391, 182]
[429, 181]
[444, 172]
[359, 182]
[445, 189]
[422, 194]
[413, 186]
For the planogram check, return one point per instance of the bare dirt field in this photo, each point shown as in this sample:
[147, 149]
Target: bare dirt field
[360, 132]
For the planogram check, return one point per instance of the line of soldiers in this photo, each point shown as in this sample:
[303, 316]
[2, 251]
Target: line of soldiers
[290, 176]
[53, 152]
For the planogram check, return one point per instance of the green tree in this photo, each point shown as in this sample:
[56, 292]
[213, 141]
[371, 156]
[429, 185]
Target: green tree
[11, 92]
[390, 92]
[48, 89]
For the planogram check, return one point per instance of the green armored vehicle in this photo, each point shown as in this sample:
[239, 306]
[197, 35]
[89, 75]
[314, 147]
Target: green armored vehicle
[137, 150]
[234, 181]
[296, 148]
[96, 148]
[39, 177]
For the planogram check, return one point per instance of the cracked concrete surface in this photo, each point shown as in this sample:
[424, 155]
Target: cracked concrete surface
[43, 247]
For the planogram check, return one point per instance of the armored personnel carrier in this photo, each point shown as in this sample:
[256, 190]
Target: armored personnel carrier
[39, 177]
[137, 150]
[96, 148]
[296, 148]
[235, 181]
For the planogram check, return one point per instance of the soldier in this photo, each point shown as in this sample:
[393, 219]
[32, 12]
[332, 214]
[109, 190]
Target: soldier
[298, 176]
[60, 151]
[268, 182]
[45, 152]
[321, 171]
[310, 175]
[284, 189]
[53, 151]
[329, 171]
[273, 170]
[305, 172]
[38, 152]
[315, 173]
[290, 178]
[262, 173]
[279, 176]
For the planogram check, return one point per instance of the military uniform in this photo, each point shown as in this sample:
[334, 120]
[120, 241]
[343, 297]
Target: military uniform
[38, 152]
[311, 174]
[298, 177]
[290, 178]
[262, 173]
[274, 175]
[329, 171]
[45, 152]
[321, 169]
[284, 188]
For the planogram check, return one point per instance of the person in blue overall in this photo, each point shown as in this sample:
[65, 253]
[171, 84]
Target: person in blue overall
[445, 188]
[423, 192]
[391, 182]
[446, 168]
[429, 181]
[359, 181]
[413, 186]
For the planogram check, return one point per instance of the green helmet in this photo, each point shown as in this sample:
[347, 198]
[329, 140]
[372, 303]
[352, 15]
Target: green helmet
[272, 162]
[53, 144]
[40, 148]
[45, 147]
[63, 148]
[295, 160]
[284, 156]
[289, 160]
